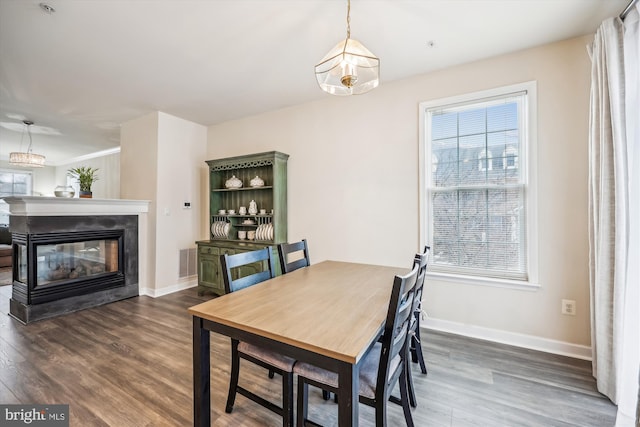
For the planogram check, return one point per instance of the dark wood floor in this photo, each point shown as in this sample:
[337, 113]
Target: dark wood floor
[129, 364]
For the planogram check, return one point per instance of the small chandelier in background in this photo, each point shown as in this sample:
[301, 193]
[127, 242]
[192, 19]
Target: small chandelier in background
[349, 68]
[28, 158]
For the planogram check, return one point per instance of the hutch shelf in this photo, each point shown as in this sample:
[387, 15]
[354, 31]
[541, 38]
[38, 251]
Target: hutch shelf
[241, 231]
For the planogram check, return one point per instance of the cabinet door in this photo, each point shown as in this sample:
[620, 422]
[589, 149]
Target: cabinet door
[209, 269]
[208, 273]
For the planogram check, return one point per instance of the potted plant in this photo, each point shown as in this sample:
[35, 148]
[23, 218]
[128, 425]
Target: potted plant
[86, 176]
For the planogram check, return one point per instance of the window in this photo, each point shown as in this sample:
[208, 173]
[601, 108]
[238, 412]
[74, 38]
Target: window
[485, 161]
[510, 158]
[13, 183]
[478, 201]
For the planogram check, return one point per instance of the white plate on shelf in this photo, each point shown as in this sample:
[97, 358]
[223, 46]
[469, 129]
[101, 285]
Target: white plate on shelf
[220, 229]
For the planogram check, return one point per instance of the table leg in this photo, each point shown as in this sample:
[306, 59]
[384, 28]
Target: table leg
[348, 384]
[201, 375]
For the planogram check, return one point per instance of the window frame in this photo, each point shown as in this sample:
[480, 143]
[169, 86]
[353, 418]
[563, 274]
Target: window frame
[528, 148]
[20, 172]
[4, 207]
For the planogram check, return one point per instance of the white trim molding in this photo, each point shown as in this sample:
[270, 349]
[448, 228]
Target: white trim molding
[108, 152]
[155, 293]
[530, 342]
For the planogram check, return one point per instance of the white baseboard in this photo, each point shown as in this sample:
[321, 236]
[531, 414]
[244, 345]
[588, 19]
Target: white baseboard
[511, 338]
[154, 293]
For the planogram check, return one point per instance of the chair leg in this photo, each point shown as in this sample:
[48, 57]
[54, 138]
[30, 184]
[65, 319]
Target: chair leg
[233, 379]
[287, 399]
[381, 414]
[418, 349]
[404, 398]
[303, 394]
[412, 391]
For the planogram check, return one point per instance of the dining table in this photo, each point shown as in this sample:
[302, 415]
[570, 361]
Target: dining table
[329, 314]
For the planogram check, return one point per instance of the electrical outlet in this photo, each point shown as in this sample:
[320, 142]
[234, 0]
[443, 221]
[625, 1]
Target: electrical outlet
[569, 307]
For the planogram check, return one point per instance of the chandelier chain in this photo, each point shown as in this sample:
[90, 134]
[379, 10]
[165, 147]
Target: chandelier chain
[348, 19]
[30, 148]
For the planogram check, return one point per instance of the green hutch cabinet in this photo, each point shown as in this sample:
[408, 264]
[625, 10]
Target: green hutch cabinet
[240, 231]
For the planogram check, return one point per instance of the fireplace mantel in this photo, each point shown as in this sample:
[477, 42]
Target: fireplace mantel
[40, 222]
[57, 206]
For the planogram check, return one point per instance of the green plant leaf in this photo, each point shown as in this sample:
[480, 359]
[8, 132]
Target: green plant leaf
[85, 175]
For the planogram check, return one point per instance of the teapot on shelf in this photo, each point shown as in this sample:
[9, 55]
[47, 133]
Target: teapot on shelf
[253, 207]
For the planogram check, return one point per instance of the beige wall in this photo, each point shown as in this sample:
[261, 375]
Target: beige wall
[181, 155]
[138, 179]
[353, 182]
[161, 160]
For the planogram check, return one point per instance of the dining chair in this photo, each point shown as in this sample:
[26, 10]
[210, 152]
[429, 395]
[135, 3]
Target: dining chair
[302, 250]
[251, 268]
[415, 343]
[286, 249]
[382, 367]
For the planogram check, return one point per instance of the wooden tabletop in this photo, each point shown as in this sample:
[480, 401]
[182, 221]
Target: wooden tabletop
[332, 308]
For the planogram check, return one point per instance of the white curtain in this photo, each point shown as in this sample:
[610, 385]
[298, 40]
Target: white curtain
[628, 402]
[614, 213]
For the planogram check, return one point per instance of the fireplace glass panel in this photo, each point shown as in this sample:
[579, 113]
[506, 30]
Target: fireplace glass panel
[77, 260]
[21, 276]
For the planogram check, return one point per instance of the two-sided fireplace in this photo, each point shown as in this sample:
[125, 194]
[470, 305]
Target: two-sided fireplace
[64, 264]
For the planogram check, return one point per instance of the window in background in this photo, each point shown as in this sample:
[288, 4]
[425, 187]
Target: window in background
[477, 196]
[13, 183]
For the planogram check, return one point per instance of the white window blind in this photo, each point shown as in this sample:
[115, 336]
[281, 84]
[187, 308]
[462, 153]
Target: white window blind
[476, 187]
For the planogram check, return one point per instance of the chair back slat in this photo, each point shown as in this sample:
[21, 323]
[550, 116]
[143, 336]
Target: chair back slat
[286, 249]
[421, 260]
[396, 330]
[260, 259]
[403, 318]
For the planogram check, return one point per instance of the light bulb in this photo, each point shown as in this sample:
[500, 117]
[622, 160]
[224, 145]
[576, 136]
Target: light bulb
[349, 74]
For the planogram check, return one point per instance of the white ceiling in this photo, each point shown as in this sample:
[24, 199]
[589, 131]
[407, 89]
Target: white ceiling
[94, 64]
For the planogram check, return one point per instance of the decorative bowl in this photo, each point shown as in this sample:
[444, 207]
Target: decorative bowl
[256, 182]
[62, 191]
[233, 182]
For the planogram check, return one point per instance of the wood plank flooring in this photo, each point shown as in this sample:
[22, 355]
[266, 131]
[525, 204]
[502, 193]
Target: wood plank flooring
[128, 363]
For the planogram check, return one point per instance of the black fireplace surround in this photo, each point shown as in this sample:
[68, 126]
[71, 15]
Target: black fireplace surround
[50, 285]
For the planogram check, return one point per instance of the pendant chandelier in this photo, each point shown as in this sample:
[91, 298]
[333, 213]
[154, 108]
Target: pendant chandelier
[26, 159]
[349, 68]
